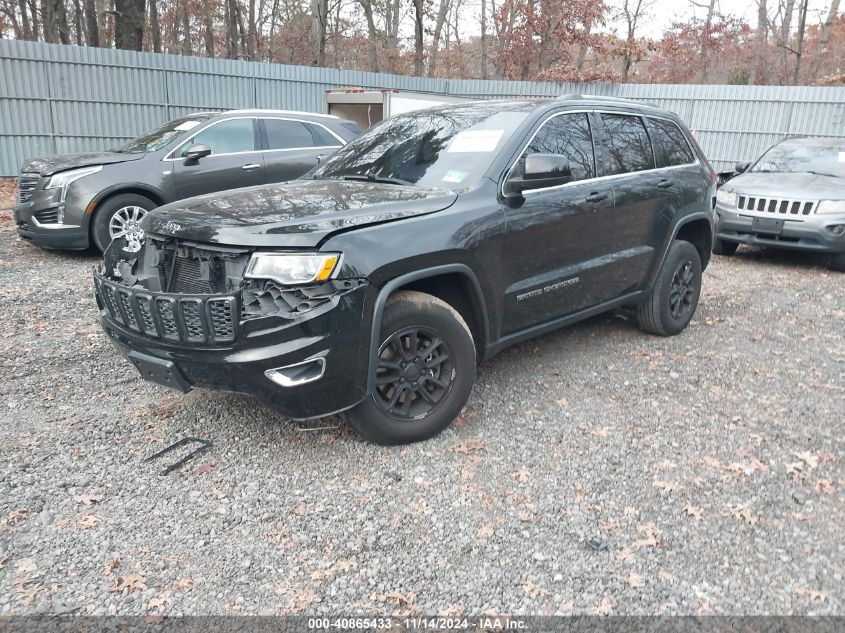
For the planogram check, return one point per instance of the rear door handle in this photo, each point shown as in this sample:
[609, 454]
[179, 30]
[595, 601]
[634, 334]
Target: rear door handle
[250, 166]
[665, 184]
[596, 197]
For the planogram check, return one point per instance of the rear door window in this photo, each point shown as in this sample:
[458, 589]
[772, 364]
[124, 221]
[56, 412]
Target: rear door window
[322, 137]
[227, 137]
[568, 135]
[286, 134]
[627, 143]
[670, 144]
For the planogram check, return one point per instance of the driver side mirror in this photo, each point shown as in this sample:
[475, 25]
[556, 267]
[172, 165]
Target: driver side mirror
[194, 153]
[542, 170]
[741, 168]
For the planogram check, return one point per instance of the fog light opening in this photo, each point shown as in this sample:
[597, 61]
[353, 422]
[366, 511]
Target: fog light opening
[298, 373]
[837, 229]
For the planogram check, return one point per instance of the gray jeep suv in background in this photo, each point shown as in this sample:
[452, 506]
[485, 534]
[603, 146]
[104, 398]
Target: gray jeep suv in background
[70, 201]
[793, 197]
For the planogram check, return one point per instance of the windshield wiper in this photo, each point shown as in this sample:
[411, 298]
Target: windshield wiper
[821, 173]
[374, 178]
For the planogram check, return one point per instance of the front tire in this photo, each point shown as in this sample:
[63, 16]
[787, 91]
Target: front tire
[721, 247]
[117, 218]
[425, 371]
[837, 262]
[674, 298]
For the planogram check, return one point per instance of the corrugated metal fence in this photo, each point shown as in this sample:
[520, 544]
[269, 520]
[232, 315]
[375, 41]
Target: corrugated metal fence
[56, 99]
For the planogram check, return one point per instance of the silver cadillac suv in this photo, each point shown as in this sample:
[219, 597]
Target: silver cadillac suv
[792, 197]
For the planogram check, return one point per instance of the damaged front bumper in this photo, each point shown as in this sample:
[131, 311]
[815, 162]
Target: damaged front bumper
[307, 363]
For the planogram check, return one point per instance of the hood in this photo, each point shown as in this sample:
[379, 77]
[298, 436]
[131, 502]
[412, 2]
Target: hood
[788, 185]
[300, 213]
[62, 162]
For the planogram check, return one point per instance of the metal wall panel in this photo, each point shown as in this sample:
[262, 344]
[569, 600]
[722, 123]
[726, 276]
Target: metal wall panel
[57, 98]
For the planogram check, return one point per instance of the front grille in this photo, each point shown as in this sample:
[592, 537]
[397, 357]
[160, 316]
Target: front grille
[27, 184]
[775, 206]
[47, 216]
[179, 318]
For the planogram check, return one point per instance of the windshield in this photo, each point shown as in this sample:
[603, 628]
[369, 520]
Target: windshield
[448, 148]
[163, 136]
[822, 157]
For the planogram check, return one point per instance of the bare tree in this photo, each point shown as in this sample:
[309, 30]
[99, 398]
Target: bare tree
[484, 74]
[418, 37]
[799, 38]
[759, 74]
[824, 38]
[704, 45]
[155, 28]
[372, 52]
[632, 11]
[129, 18]
[436, 35]
[319, 18]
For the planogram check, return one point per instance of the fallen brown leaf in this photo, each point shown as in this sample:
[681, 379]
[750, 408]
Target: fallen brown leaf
[693, 512]
[666, 486]
[811, 594]
[89, 521]
[635, 581]
[132, 582]
[95, 496]
[522, 475]
[603, 606]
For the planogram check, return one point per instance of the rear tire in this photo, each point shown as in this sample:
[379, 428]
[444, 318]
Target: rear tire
[721, 247]
[127, 204]
[675, 294]
[425, 373]
[837, 262]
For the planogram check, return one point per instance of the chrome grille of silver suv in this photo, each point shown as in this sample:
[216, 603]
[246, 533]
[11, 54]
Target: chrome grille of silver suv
[26, 186]
[775, 206]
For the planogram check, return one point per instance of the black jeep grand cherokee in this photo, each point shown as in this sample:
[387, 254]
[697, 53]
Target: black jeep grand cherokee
[377, 282]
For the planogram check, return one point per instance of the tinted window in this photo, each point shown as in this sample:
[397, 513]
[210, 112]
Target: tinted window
[821, 156]
[322, 137]
[670, 145]
[627, 143]
[567, 135]
[283, 134]
[227, 137]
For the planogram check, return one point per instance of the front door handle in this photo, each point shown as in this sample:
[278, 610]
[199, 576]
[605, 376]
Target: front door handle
[665, 184]
[250, 166]
[596, 197]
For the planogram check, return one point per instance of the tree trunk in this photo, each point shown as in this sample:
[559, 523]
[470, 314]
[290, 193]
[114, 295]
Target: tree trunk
[129, 24]
[484, 39]
[26, 28]
[319, 16]
[705, 42]
[231, 29]
[78, 22]
[100, 16]
[372, 52]
[209, 29]
[62, 28]
[799, 40]
[185, 20]
[251, 40]
[783, 39]
[155, 27]
[418, 38]
[582, 50]
[759, 74]
[92, 26]
[438, 31]
[824, 38]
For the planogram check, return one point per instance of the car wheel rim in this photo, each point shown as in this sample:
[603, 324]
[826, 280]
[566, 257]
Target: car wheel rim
[125, 223]
[415, 373]
[682, 290]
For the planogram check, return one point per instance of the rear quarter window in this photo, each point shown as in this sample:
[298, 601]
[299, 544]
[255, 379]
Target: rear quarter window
[670, 145]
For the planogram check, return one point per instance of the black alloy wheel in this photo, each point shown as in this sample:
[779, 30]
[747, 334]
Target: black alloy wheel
[415, 373]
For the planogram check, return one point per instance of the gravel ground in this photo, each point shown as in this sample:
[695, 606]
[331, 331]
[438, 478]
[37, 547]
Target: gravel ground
[595, 470]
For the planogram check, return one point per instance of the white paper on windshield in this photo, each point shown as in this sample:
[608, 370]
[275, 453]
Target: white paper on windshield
[187, 125]
[475, 141]
[842, 157]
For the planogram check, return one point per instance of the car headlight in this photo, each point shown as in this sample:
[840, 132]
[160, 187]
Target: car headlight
[726, 198]
[291, 269]
[64, 179]
[831, 206]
